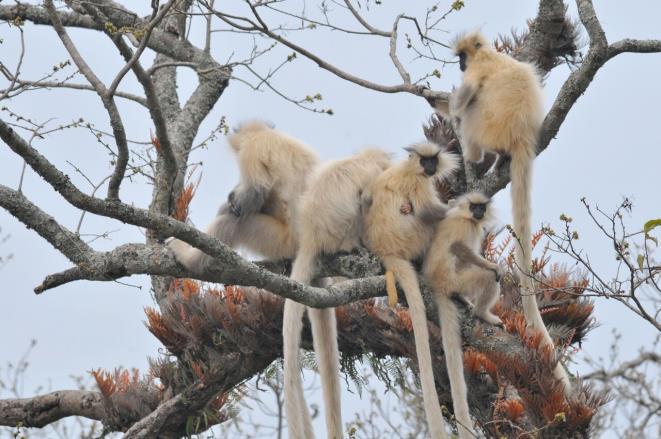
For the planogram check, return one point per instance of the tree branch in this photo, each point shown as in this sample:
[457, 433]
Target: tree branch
[67, 242]
[42, 410]
[107, 99]
[363, 327]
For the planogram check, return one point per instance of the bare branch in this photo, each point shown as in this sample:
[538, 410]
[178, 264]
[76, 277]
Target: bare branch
[45, 225]
[53, 84]
[106, 98]
[156, 18]
[622, 369]
[42, 410]
[634, 46]
[166, 178]
[393, 52]
[365, 24]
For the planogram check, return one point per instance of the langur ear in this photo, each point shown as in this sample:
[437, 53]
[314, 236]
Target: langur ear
[478, 45]
[453, 202]
[409, 149]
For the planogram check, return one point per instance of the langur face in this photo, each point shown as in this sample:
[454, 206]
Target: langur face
[429, 164]
[478, 210]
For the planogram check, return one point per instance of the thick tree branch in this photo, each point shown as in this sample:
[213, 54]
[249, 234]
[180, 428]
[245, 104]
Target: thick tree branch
[67, 242]
[160, 41]
[363, 327]
[165, 179]
[45, 409]
[234, 269]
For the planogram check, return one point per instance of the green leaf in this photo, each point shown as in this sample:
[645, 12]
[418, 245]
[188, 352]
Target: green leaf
[651, 224]
[641, 260]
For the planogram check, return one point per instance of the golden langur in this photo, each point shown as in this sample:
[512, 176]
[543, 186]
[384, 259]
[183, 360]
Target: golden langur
[398, 237]
[329, 221]
[499, 108]
[454, 265]
[259, 213]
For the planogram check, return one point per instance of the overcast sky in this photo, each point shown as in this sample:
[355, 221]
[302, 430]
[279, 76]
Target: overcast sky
[608, 147]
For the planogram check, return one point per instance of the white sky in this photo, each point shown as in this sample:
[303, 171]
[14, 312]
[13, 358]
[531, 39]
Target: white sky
[607, 148]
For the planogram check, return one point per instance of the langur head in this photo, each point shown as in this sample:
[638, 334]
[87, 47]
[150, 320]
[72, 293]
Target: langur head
[427, 159]
[466, 47]
[376, 157]
[472, 205]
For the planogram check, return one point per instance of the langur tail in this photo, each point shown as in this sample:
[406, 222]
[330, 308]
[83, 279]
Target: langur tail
[454, 359]
[521, 175]
[324, 335]
[298, 417]
[408, 280]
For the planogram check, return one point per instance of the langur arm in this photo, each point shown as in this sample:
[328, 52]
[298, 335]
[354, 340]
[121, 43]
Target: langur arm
[433, 214]
[366, 201]
[461, 99]
[246, 200]
[465, 254]
[443, 107]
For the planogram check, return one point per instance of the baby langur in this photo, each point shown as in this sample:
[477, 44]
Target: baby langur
[259, 213]
[398, 238]
[454, 265]
[329, 221]
[499, 108]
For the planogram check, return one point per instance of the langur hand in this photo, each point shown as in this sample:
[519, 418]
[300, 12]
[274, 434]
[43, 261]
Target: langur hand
[406, 208]
[234, 208]
[497, 271]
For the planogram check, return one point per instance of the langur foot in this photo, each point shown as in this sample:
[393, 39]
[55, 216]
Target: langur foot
[503, 161]
[490, 318]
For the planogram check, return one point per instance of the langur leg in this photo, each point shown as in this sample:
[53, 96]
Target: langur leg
[484, 283]
[265, 235]
[503, 161]
[298, 416]
[472, 152]
[324, 336]
[486, 163]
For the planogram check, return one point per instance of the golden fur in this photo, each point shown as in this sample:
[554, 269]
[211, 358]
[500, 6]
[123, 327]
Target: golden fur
[398, 238]
[448, 272]
[274, 169]
[499, 108]
[329, 221]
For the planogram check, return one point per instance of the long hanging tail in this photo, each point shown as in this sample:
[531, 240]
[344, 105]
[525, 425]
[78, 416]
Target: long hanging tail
[454, 359]
[298, 416]
[521, 175]
[408, 280]
[324, 336]
[324, 333]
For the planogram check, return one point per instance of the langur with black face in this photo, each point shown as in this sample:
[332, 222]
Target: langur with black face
[454, 265]
[499, 108]
[259, 213]
[329, 221]
[399, 236]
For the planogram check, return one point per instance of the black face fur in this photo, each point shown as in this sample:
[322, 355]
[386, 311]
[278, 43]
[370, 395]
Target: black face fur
[478, 210]
[429, 164]
[462, 61]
